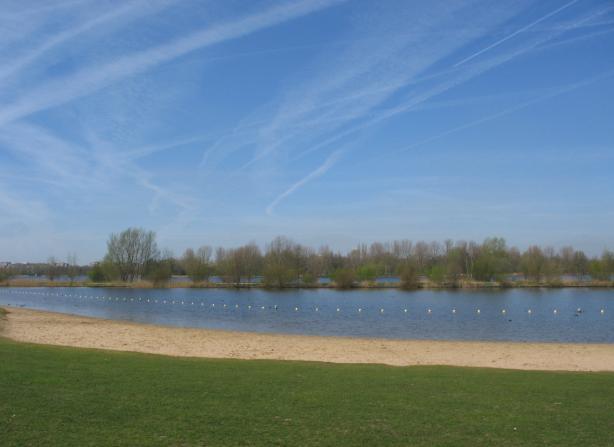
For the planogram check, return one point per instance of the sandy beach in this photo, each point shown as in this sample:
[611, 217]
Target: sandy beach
[70, 330]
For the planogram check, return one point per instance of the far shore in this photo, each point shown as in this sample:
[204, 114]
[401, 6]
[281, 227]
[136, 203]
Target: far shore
[49, 328]
[359, 286]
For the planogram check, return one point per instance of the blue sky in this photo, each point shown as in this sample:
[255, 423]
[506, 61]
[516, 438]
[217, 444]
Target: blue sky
[328, 121]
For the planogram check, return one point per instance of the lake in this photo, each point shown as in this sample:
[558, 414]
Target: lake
[552, 315]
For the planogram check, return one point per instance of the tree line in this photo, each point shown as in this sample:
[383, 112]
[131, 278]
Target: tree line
[133, 255]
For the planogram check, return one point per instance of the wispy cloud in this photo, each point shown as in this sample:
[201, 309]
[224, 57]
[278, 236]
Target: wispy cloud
[515, 33]
[551, 94]
[90, 79]
[127, 11]
[318, 172]
[347, 86]
[457, 76]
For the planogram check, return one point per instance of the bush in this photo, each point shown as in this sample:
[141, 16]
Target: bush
[308, 279]
[103, 272]
[367, 272]
[409, 277]
[159, 272]
[437, 274]
[278, 276]
[344, 278]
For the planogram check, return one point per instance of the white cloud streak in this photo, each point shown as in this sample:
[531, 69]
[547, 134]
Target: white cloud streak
[91, 79]
[515, 33]
[552, 94]
[462, 75]
[319, 172]
[129, 10]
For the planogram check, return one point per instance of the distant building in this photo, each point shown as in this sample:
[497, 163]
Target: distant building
[5, 264]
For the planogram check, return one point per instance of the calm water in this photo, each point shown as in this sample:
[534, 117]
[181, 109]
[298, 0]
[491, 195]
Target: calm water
[513, 314]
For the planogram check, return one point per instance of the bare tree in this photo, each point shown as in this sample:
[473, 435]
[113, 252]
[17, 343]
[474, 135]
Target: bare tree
[72, 269]
[53, 268]
[197, 265]
[131, 251]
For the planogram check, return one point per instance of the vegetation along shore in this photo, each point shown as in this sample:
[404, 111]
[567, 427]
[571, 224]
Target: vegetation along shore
[133, 259]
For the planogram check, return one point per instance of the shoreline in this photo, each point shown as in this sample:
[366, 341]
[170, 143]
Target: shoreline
[364, 286]
[49, 328]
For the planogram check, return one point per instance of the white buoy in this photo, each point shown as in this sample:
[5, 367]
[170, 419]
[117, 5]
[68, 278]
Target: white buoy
[338, 310]
[405, 310]
[381, 311]
[249, 307]
[296, 309]
[503, 311]
[529, 311]
[224, 306]
[429, 311]
[317, 309]
[212, 304]
[555, 311]
[236, 306]
[453, 311]
[602, 311]
[579, 310]
[477, 311]
[262, 307]
[359, 309]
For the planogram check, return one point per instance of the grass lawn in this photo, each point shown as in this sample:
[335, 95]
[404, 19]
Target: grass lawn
[63, 396]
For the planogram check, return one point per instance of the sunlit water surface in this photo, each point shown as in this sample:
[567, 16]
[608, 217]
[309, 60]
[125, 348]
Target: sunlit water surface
[563, 315]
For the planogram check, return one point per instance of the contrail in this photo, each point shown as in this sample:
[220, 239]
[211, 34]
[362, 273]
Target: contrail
[320, 171]
[558, 92]
[515, 33]
[129, 8]
[94, 78]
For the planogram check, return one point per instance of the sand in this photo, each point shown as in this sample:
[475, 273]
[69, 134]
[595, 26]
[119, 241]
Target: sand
[70, 330]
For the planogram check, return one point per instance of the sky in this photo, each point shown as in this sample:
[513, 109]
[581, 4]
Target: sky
[327, 121]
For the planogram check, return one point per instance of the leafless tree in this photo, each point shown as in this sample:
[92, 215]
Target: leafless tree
[131, 251]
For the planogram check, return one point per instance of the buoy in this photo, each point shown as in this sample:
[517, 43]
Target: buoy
[236, 306]
[405, 310]
[262, 307]
[381, 311]
[212, 304]
[296, 309]
[317, 309]
[478, 311]
[555, 311]
[338, 310]
[429, 311]
[503, 311]
[453, 311]
[529, 311]
[602, 311]
[249, 307]
[359, 309]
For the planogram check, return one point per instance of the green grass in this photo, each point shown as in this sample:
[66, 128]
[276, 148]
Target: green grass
[74, 397]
